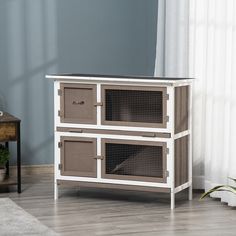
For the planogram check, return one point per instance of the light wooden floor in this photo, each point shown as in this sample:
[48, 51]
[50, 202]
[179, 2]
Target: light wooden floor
[113, 212]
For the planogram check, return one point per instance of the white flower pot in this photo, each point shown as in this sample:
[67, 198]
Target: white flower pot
[2, 174]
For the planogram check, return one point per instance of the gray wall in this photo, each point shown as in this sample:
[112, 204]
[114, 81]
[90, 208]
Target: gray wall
[86, 36]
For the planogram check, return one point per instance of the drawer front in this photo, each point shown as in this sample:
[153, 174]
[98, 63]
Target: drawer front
[134, 106]
[134, 160]
[78, 157]
[78, 103]
[8, 132]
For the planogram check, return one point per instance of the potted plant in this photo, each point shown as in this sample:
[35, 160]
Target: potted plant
[228, 188]
[4, 157]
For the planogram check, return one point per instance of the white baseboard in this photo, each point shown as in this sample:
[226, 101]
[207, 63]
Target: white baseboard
[33, 169]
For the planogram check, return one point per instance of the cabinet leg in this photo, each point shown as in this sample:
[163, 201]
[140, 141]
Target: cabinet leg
[190, 192]
[55, 190]
[18, 159]
[7, 165]
[172, 201]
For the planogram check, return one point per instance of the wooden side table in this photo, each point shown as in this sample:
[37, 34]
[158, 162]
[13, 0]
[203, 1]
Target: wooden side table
[10, 131]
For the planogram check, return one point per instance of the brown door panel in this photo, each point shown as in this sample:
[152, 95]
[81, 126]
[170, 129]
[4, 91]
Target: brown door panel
[78, 103]
[78, 157]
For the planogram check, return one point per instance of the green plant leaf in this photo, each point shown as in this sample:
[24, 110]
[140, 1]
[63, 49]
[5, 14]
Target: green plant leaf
[232, 179]
[4, 155]
[220, 188]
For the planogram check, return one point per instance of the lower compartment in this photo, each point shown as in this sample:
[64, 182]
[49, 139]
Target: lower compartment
[113, 186]
[120, 159]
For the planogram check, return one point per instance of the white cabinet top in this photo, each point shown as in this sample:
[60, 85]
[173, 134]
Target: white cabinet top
[119, 78]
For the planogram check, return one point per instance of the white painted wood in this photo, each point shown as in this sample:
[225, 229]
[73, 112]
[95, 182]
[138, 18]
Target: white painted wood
[114, 127]
[190, 144]
[110, 83]
[122, 80]
[180, 84]
[172, 145]
[114, 136]
[55, 190]
[182, 187]
[99, 162]
[114, 181]
[57, 161]
[99, 114]
[181, 134]
[56, 104]
[56, 154]
[172, 200]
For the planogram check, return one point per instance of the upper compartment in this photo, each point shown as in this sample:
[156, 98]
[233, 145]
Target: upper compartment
[134, 106]
[122, 102]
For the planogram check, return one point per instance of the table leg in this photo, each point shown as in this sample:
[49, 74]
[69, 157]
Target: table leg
[7, 164]
[18, 159]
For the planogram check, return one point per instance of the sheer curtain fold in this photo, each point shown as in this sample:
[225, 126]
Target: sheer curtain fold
[172, 38]
[205, 50]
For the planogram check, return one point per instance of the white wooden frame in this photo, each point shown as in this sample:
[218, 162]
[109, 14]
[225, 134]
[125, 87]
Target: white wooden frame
[170, 84]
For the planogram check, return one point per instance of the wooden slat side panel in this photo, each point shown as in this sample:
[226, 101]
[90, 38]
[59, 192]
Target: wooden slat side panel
[181, 161]
[181, 108]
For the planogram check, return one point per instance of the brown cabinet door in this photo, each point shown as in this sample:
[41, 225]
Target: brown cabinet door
[134, 160]
[134, 106]
[78, 157]
[78, 103]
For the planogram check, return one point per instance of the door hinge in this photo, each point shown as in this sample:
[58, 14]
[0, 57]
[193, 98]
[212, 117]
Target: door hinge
[98, 104]
[167, 118]
[167, 96]
[59, 166]
[75, 130]
[167, 150]
[59, 144]
[99, 157]
[166, 173]
[151, 135]
[59, 113]
[59, 92]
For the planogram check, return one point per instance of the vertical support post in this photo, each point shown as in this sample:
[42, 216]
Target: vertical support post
[172, 145]
[99, 99]
[190, 194]
[99, 162]
[18, 158]
[7, 164]
[172, 200]
[56, 163]
[56, 139]
[55, 190]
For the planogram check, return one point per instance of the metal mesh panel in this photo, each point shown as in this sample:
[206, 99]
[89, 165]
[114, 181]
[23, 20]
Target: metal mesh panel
[134, 106]
[134, 160]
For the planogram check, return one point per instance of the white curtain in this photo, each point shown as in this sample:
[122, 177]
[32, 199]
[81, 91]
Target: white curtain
[172, 38]
[212, 61]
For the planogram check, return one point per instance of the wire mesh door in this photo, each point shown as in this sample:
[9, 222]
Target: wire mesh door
[134, 106]
[134, 160]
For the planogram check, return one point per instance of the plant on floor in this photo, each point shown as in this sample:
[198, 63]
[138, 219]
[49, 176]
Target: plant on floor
[227, 188]
[4, 157]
